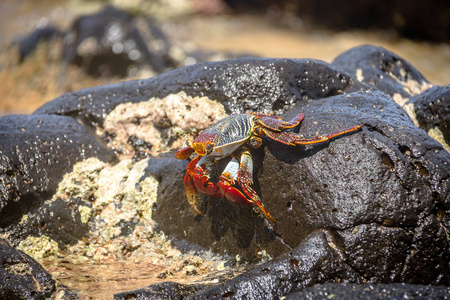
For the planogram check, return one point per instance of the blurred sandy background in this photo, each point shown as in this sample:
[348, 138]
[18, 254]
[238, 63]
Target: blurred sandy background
[266, 28]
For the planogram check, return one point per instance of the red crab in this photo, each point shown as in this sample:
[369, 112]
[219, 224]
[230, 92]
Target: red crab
[234, 135]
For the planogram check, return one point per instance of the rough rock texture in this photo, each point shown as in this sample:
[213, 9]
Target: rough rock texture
[59, 220]
[380, 184]
[379, 191]
[383, 69]
[371, 291]
[163, 291]
[150, 127]
[247, 84]
[432, 112]
[371, 206]
[21, 277]
[35, 152]
[314, 261]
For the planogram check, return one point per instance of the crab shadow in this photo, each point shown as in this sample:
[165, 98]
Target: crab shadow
[241, 221]
[246, 225]
[290, 154]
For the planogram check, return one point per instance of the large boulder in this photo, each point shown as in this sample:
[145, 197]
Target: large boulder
[370, 206]
[21, 277]
[242, 85]
[378, 191]
[379, 67]
[35, 152]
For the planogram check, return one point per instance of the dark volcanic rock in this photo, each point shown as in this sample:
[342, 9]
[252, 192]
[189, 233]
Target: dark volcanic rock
[109, 44]
[383, 69]
[345, 291]
[162, 291]
[379, 197]
[314, 261]
[60, 220]
[381, 193]
[432, 109]
[247, 84]
[35, 152]
[21, 277]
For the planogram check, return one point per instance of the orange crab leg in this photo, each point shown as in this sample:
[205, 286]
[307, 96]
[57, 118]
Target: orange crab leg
[276, 123]
[196, 179]
[203, 184]
[189, 184]
[184, 153]
[245, 179]
[242, 173]
[291, 138]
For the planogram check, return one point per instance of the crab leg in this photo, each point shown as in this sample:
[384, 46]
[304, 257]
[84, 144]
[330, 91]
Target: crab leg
[196, 178]
[276, 123]
[228, 179]
[189, 184]
[235, 172]
[291, 138]
[184, 153]
[245, 179]
[201, 176]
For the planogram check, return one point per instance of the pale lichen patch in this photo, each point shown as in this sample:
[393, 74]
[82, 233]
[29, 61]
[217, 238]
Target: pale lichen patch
[399, 99]
[39, 247]
[409, 108]
[359, 75]
[85, 213]
[437, 134]
[82, 181]
[163, 124]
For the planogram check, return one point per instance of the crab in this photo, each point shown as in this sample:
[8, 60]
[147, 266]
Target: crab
[234, 136]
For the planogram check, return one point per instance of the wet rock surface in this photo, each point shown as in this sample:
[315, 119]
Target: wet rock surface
[371, 291]
[164, 291]
[432, 111]
[371, 206]
[374, 189]
[313, 262]
[247, 84]
[21, 277]
[58, 220]
[383, 69]
[36, 151]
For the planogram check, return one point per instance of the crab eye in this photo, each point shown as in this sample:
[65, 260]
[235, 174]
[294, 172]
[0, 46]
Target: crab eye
[209, 148]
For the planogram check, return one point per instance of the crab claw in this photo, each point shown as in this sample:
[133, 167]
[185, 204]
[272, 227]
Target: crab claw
[236, 196]
[184, 153]
[189, 185]
[231, 193]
